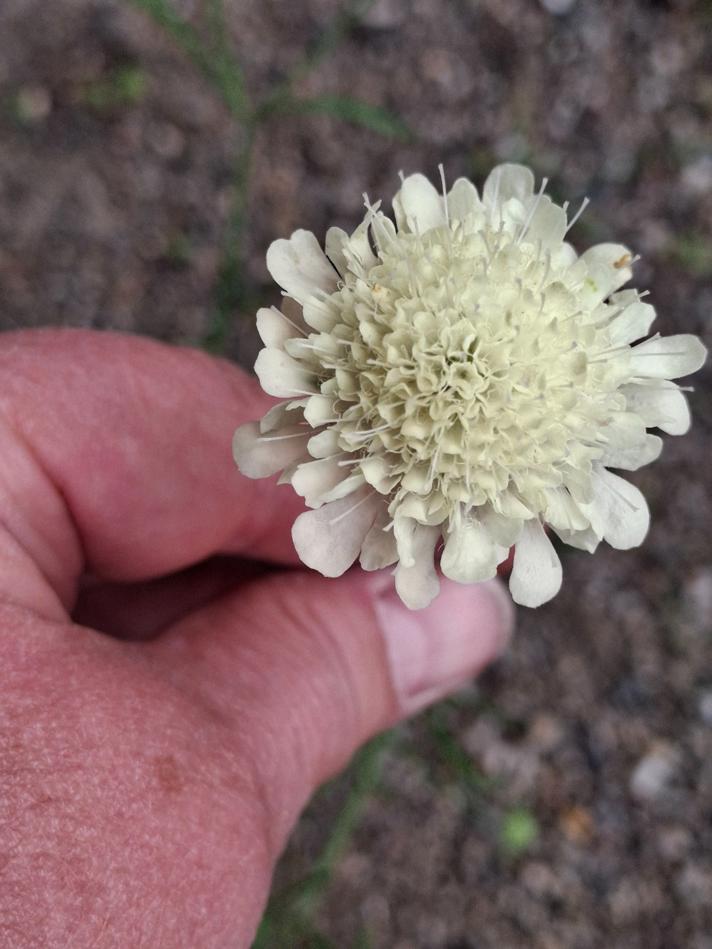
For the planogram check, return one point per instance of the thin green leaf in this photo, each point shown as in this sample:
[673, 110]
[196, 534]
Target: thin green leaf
[223, 72]
[372, 117]
[293, 906]
[233, 292]
[454, 755]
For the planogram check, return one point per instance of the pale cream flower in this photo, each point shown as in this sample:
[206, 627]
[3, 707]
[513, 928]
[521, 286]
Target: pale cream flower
[461, 376]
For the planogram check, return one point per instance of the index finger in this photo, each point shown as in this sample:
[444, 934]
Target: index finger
[135, 437]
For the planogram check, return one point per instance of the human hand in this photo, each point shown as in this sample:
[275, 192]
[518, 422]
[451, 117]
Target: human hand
[150, 777]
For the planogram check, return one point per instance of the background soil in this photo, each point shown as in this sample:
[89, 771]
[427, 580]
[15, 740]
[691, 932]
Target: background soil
[566, 801]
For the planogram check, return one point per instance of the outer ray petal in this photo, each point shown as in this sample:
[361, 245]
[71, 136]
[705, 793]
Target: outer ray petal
[632, 457]
[662, 406]
[462, 200]
[608, 269]
[300, 267]
[667, 357]
[275, 328]
[418, 205]
[282, 376]
[315, 479]
[329, 539]
[417, 582]
[470, 554]
[632, 324]
[508, 181]
[536, 570]
[259, 456]
[619, 512]
[587, 539]
[379, 546]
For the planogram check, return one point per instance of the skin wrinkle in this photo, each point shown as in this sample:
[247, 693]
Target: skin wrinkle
[61, 587]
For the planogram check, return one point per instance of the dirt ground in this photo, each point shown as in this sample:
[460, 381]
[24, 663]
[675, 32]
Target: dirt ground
[583, 816]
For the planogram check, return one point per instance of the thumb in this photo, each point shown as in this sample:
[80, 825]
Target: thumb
[307, 669]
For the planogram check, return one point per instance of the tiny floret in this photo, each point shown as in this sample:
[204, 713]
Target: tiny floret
[459, 382]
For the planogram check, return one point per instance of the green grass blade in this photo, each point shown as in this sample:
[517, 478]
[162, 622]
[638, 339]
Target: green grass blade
[454, 755]
[366, 769]
[373, 117]
[232, 292]
[291, 908]
[223, 71]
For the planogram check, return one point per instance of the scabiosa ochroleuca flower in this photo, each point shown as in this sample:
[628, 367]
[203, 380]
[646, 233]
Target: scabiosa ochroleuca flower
[461, 378]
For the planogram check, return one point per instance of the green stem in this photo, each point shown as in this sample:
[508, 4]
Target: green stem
[232, 291]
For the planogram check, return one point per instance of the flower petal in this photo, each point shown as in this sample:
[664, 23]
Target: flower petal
[379, 546]
[508, 181]
[667, 357]
[336, 240]
[608, 269]
[329, 539]
[418, 206]
[633, 323]
[618, 512]
[358, 251]
[417, 582]
[662, 406]
[470, 554]
[536, 570]
[324, 444]
[283, 376]
[313, 480]
[623, 430]
[563, 256]
[259, 456]
[586, 539]
[300, 266]
[279, 416]
[347, 486]
[319, 410]
[562, 511]
[462, 200]
[502, 529]
[548, 223]
[632, 457]
[275, 328]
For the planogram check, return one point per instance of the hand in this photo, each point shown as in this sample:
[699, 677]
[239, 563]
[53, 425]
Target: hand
[150, 777]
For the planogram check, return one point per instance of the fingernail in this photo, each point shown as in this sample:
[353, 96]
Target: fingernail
[434, 651]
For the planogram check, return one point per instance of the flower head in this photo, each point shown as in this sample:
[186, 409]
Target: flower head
[461, 376]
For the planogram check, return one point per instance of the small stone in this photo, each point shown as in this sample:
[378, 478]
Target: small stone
[694, 885]
[447, 70]
[166, 140]
[558, 7]
[655, 772]
[385, 15]
[704, 706]
[674, 843]
[577, 824]
[546, 732]
[33, 104]
[698, 599]
[697, 176]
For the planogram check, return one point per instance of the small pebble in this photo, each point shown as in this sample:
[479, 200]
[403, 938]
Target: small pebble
[655, 772]
[704, 706]
[34, 104]
[558, 7]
